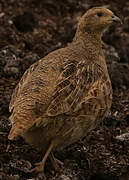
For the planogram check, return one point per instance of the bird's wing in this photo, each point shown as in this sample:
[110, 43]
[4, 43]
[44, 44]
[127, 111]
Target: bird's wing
[20, 85]
[33, 98]
[75, 82]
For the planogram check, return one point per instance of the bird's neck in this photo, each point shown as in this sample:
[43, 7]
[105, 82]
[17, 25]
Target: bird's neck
[91, 39]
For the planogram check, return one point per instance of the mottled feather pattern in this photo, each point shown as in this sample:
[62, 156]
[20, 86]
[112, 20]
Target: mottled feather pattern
[75, 81]
[21, 83]
[26, 101]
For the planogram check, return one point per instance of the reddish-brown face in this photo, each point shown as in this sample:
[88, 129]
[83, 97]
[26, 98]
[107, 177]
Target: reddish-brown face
[97, 19]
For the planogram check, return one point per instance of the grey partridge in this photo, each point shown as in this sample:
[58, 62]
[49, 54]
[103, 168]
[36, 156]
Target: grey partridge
[64, 95]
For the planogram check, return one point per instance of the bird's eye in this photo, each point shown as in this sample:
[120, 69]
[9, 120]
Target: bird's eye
[99, 14]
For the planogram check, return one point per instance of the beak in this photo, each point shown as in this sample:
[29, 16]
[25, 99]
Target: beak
[116, 19]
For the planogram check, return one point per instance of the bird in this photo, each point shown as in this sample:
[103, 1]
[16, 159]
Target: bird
[67, 93]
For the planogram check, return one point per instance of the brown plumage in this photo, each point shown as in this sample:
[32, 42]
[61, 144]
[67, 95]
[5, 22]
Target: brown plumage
[66, 94]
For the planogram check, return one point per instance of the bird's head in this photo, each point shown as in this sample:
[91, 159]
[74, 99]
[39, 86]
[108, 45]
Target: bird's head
[97, 19]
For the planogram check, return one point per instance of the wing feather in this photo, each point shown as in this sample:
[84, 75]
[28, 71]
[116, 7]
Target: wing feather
[20, 85]
[68, 96]
[63, 96]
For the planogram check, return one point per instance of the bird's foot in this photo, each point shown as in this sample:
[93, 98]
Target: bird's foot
[57, 164]
[39, 167]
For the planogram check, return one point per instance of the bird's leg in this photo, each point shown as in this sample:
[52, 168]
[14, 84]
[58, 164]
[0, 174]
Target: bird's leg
[40, 166]
[57, 164]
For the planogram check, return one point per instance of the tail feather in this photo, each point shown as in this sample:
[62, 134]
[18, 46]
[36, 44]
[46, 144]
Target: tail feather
[13, 133]
[20, 124]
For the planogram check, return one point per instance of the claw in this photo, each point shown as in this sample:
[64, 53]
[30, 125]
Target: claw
[57, 164]
[39, 167]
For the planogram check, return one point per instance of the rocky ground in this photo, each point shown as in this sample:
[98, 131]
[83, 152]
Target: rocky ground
[30, 29]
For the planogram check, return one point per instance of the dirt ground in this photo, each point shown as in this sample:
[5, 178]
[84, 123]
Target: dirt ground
[30, 29]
